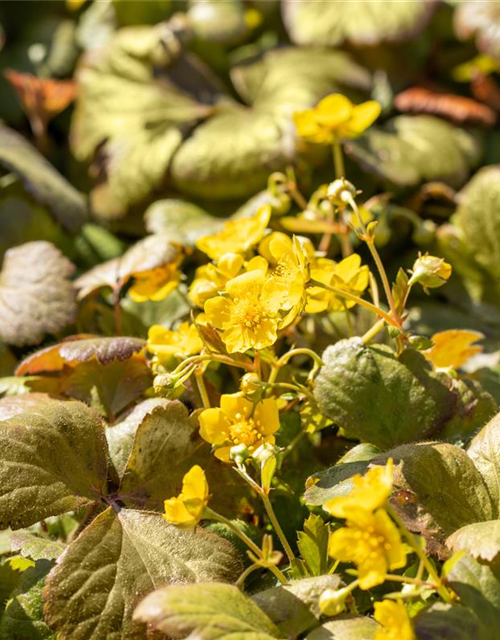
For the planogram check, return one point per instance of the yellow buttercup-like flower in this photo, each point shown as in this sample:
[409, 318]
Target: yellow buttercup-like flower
[186, 510]
[239, 422]
[155, 284]
[335, 117]
[183, 342]
[453, 348]
[370, 493]
[238, 236]
[247, 318]
[394, 621]
[373, 542]
[211, 278]
[347, 275]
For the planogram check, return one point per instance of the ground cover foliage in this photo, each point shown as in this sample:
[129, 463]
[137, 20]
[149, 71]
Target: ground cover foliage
[249, 320]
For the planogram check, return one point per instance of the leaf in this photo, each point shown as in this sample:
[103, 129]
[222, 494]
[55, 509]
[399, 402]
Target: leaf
[118, 559]
[181, 221]
[51, 461]
[477, 218]
[345, 627]
[224, 23]
[23, 617]
[479, 20]
[36, 296]
[75, 350]
[449, 622]
[41, 179]
[294, 608]
[13, 405]
[336, 480]
[437, 504]
[412, 149]
[208, 611]
[34, 547]
[380, 398]
[331, 22]
[480, 539]
[313, 545]
[484, 451]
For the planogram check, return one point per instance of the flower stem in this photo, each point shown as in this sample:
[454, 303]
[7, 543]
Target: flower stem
[200, 383]
[277, 527]
[241, 580]
[371, 333]
[338, 159]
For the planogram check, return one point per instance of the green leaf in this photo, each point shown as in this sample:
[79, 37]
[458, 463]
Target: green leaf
[117, 560]
[51, 461]
[34, 547]
[412, 149]
[345, 627]
[336, 480]
[313, 545]
[294, 608]
[380, 398]
[449, 622]
[213, 21]
[484, 451]
[13, 405]
[361, 22]
[42, 180]
[478, 219]
[36, 296]
[480, 539]
[438, 503]
[23, 617]
[181, 221]
[208, 611]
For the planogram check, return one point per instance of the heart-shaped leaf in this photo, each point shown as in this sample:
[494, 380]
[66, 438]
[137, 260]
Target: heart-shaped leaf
[117, 560]
[331, 22]
[480, 539]
[36, 296]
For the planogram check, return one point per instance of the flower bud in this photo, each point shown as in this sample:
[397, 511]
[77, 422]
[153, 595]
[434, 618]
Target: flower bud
[430, 271]
[332, 602]
[265, 457]
[341, 191]
[239, 453]
[250, 382]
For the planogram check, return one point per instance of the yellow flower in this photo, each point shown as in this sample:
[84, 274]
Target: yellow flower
[288, 276]
[372, 541]
[335, 117]
[185, 341]
[370, 492]
[209, 279]
[430, 271]
[239, 422]
[347, 275]
[394, 621]
[247, 318]
[453, 348]
[238, 236]
[187, 509]
[155, 284]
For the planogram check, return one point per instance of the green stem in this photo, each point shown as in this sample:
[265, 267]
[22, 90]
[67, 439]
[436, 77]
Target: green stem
[371, 333]
[277, 527]
[200, 383]
[348, 321]
[338, 159]
[421, 583]
[410, 538]
[362, 303]
[293, 387]
[241, 580]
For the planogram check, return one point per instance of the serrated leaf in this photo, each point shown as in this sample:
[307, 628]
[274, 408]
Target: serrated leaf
[412, 149]
[345, 627]
[196, 609]
[118, 559]
[438, 503]
[480, 539]
[51, 461]
[42, 180]
[313, 544]
[380, 398]
[35, 547]
[181, 221]
[484, 453]
[477, 218]
[294, 608]
[36, 296]
[361, 22]
[75, 350]
[23, 617]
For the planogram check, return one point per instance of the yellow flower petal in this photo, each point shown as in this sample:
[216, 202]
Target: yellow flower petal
[394, 621]
[187, 509]
[334, 110]
[266, 412]
[214, 426]
[453, 348]
[363, 116]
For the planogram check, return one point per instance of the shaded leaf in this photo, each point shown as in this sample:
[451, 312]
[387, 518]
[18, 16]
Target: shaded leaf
[182, 609]
[346, 627]
[480, 539]
[119, 558]
[51, 461]
[411, 149]
[35, 547]
[331, 22]
[75, 350]
[484, 451]
[449, 622]
[313, 544]
[380, 398]
[42, 181]
[36, 296]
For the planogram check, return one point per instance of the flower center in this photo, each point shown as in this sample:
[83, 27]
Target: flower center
[249, 313]
[245, 430]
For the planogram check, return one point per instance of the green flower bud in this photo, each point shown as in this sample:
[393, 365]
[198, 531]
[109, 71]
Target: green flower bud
[239, 453]
[341, 192]
[430, 271]
[331, 602]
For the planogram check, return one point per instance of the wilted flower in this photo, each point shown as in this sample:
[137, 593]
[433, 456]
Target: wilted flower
[335, 117]
[394, 621]
[430, 271]
[239, 422]
[238, 236]
[164, 343]
[453, 348]
[186, 510]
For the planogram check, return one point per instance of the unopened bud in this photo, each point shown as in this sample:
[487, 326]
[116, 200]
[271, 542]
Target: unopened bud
[341, 191]
[332, 602]
[430, 271]
[265, 457]
[239, 453]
